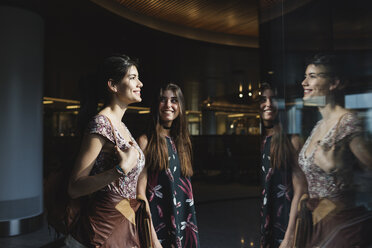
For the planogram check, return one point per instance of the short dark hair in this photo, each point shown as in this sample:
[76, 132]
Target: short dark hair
[115, 67]
[328, 60]
[94, 88]
[334, 69]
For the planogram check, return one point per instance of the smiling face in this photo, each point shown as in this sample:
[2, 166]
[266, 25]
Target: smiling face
[317, 82]
[169, 107]
[268, 106]
[129, 88]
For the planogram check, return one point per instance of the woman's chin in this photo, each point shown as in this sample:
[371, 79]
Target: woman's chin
[137, 100]
[317, 101]
[166, 119]
[269, 117]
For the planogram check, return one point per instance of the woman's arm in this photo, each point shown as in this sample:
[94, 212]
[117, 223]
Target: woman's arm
[142, 179]
[299, 188]
[81, 183]
[141, 190]
[362, 151]
[297, 143]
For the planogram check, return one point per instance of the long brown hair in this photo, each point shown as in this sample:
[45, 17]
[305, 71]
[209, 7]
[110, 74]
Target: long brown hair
[156, 151]
[282, 152]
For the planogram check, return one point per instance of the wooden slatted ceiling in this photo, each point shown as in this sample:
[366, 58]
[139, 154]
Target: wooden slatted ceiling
[235, 17]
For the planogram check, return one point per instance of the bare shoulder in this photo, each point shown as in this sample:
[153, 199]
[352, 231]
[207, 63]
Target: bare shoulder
[142, 141]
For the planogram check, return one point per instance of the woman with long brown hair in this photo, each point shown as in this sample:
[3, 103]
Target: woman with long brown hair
[166, 179]
[282, 180]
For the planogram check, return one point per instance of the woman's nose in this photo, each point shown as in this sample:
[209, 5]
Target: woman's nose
[140, 84]
[268, 102]
[304, 82]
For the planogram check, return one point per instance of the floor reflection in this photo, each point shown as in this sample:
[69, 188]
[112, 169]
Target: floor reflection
[230, 223]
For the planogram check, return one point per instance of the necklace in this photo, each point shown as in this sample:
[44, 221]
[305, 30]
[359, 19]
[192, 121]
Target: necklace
[165, 127]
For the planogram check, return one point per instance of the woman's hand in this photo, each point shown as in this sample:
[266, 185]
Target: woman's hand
[128, 157]
[329, 159]
[157, 244]
[324, 158]
[287, 242]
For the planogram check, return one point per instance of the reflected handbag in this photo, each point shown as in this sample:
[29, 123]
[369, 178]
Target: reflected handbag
[304, 223]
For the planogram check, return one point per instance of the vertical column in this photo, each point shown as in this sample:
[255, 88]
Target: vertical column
[294, 115]
[192, 98]
[21, 87]
[209, 122]
[213, 72]
[209, 117]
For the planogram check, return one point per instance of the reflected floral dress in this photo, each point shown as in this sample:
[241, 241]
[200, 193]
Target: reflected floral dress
[172, 204]
[342, 223]
[277, 196]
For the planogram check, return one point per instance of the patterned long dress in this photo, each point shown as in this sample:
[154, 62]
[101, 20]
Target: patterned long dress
[277, 196]
[103, 221]
[172, 204]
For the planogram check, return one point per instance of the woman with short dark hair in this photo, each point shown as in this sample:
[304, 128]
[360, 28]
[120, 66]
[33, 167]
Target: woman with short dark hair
[328, 158]
[108, 165]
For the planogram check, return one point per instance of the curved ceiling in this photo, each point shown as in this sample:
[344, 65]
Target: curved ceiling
[233, 22]
[271, 9]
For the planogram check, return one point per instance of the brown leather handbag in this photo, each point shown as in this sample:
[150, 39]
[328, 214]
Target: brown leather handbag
[143, 222]
[73, 213]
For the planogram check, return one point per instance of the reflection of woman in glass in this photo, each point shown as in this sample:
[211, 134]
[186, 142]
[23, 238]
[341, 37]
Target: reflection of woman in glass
[334, 148]
[283, 181]
[167, 147]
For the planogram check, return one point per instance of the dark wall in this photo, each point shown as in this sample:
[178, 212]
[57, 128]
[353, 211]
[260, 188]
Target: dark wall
[343, 27]
[79, 34]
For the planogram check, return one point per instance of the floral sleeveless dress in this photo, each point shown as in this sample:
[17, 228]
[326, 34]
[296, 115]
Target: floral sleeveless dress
[277, 196]
[172, 204]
